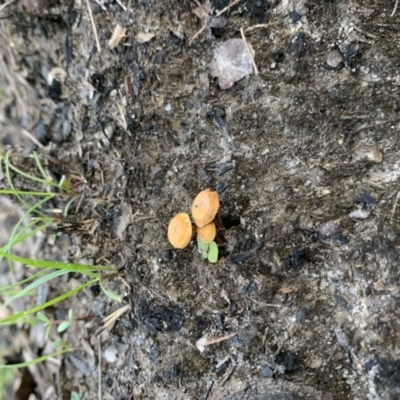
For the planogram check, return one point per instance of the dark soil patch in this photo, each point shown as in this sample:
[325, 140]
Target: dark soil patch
[308, 276]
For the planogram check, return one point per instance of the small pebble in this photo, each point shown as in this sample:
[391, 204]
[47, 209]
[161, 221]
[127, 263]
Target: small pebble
[328, 229]
[294, 17]
[367, 153]
[266, 372]
[360, 214]
[301, 316]
[110, 354]
[341, 337]
[334, 58]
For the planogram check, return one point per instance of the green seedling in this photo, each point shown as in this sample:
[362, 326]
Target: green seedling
[209, 251]
[63, 325]
[75, 396]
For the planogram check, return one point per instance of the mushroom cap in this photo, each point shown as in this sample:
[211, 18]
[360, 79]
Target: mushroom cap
[205, 207]
[180, 231]
[207, 233]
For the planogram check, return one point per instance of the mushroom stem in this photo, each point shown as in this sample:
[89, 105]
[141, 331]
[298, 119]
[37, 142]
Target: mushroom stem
[203, 342]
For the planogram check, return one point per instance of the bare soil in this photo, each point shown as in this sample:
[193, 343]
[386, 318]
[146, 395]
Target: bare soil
[304, 156]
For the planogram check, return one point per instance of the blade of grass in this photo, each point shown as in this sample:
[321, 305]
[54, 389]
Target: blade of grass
[46, 182]
[35, 284]
[66, 208]
[28, 193]
[36, 360]
[23, 314]
[81, 268]
[10, 182]
[32, 209]
[20, 283]
[39, 165]
[19, 239]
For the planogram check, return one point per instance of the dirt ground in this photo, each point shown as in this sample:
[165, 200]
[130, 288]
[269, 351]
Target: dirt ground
[304, 156]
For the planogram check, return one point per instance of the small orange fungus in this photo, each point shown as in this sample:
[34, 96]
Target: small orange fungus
[205, 207]
[180, 231]
[207, 233]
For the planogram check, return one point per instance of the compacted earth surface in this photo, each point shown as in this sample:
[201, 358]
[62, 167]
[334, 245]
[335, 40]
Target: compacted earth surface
[304, 155]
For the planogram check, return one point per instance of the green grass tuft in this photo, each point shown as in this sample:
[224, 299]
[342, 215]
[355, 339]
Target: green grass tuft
[33, 221]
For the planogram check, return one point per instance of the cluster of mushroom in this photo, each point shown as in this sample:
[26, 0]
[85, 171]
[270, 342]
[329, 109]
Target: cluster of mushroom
[204, 210]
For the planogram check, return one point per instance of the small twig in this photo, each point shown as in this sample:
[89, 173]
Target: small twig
[31, 137]
[199, 32]
[99, 357]
[263, 304]
[249, 50]
[94, 26]
[209, 391]
[255, 27]
[78, 206]
[396, 200]
[2, 7]
[395, 8]
[121, 5]
[123, 119]
[227, 376]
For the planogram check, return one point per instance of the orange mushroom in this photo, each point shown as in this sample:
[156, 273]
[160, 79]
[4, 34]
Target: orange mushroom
[180, 231]
[205, 207]
[207, 233]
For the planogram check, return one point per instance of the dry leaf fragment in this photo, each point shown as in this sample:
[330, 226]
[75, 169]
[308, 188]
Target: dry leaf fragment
[143, 37]
[203, 11]
[286, 290]
[232, 62]
[118, 34]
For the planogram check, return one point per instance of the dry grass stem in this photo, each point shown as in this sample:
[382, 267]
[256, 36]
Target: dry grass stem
[29, 135]
[395, 8]
[110, 319]
[123, 121]
[99, 370]
[93, 26]
[122, 5]
[249, 50]
[3, 6]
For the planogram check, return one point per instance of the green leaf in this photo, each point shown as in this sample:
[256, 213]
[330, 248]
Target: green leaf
[43, 318]
[48, 330]
[56, 344]
[110, 294]
[70, 314]
[203, 247]
[63, 326]
[75, 396]
[213, 252]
